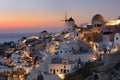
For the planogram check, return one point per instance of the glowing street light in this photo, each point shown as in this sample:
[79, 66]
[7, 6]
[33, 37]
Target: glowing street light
[62, 76]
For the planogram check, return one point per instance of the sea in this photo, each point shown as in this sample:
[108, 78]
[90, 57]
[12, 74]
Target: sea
[7, 37]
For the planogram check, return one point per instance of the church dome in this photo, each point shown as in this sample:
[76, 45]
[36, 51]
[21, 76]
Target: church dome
[97, 17]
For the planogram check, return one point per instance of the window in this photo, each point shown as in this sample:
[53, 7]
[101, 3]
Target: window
[50, 69]
[57, 70]
[65, 51]
[64, 66]
[54, 71]
[61, 70]
[64, 70]
[116, 38]
[67, 70]
[60, 51]
[98, 25]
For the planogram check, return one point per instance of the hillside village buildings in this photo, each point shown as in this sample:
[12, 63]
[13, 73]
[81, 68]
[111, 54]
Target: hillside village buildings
[50, 55]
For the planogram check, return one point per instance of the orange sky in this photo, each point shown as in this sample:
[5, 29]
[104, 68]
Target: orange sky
[32, 21]
[46, 14]
[29, 21]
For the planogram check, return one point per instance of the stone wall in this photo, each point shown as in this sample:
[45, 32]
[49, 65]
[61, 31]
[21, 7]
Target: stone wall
[51, 77]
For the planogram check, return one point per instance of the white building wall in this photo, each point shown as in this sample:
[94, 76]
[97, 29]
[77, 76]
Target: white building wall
[44, 66]
[117, 38]
[68, 50]
[51, 77]
[56, 68]
[70, 25]
[74, 57]
[74, 45]
[106, 38]
[61, 51]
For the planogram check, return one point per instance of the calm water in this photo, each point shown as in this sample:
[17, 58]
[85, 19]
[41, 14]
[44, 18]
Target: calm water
[7, 37]
[2, 40]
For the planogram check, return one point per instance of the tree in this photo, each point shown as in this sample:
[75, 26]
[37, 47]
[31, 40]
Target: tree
[79, 77]
[82, 73]
[87, 69]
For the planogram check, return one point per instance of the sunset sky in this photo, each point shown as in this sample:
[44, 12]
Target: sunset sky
[38, 15]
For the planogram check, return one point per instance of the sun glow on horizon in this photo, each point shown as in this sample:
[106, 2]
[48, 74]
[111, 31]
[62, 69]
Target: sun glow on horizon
[46, 14]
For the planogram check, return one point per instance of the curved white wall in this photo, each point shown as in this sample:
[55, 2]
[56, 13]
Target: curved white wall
[117, 38]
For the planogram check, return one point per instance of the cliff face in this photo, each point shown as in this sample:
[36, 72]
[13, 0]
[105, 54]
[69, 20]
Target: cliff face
[110, 60]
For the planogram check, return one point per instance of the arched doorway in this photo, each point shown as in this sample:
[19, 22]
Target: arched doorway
[54, 71]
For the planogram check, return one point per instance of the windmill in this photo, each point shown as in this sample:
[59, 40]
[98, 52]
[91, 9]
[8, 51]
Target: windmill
[65, 20]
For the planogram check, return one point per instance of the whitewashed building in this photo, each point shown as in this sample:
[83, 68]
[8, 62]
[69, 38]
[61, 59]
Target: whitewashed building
[70, 23]
[117, 38]
[61, 66]
[68, 48]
